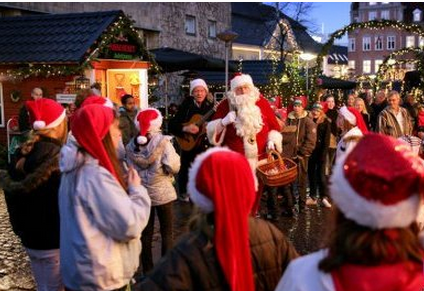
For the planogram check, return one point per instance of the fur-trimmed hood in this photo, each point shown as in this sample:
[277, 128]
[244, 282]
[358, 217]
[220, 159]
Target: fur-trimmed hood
[32, 180]
[293, 116]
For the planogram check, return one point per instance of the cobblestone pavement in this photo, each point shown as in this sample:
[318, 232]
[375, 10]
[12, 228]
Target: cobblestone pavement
[307, 232]
[15, 270]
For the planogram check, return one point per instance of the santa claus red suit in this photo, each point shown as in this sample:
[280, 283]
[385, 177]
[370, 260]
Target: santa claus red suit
[245, 122]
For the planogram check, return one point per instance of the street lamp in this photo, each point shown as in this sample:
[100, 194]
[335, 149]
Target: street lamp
[227, 36]
[307, 57]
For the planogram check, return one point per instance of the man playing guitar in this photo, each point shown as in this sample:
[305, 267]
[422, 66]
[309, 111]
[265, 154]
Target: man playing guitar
[182, 126]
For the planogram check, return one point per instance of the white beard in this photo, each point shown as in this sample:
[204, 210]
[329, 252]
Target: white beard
[249, 119]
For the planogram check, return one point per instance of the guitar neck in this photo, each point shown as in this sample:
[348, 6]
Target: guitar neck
[209, 113]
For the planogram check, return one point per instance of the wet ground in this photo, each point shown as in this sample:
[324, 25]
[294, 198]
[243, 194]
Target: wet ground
[307, 232]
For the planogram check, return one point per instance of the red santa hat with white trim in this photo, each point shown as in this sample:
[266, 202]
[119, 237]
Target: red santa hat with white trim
[379, 184]
[147, 121]
[240, 80]
[94, 99]
[221, 181]
[45, 113]
[354, 117]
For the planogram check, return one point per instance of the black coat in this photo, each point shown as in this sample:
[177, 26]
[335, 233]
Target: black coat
[32, 196]
[192, 264]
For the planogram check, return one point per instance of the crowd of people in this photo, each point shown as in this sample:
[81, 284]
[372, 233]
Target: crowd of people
[85, 186]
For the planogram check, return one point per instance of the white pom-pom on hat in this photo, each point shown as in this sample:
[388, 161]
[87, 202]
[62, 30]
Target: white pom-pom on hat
[39, 124]
[141, 139]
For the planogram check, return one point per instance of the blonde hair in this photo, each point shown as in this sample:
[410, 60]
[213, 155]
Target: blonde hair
[360, 100]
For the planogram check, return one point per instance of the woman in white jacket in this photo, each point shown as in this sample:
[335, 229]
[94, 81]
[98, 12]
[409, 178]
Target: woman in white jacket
[101, 214]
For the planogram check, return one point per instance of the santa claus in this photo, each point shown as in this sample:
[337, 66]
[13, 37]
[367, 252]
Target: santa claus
[245, 122]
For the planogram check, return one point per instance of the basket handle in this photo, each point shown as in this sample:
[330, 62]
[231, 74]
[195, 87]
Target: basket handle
[273, 153]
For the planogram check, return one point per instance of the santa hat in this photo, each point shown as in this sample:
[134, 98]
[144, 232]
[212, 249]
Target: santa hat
[45, 113]
[222, 181]
[354, 117]
[379, 183]
[301, 100]
[90, 124]
[198, 83]
[93, 99]
[148, 120]
[241, 80]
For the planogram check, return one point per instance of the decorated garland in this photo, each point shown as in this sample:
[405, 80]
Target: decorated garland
[123, 26]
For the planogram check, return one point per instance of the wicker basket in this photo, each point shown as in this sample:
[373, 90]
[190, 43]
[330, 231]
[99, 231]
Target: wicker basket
[277, 172]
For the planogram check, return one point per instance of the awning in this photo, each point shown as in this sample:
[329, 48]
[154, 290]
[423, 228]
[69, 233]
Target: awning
[334, 83]
[171, 60]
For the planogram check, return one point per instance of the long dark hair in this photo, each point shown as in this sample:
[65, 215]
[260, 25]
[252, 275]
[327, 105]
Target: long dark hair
[351, 243]
[111, 151]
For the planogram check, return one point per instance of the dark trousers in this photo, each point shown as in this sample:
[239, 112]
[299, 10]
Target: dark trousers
[316, 176]
[165, 221]
[302, 180]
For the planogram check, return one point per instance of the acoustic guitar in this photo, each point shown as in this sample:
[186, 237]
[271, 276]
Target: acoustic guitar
[188, 140]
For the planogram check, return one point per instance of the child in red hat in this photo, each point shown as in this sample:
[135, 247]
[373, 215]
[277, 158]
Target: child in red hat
[226, 249]
[31, 191]
[155, 159]
[377, 190]
[102, 213]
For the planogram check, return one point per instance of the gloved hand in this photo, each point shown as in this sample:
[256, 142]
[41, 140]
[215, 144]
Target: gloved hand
[229, 118]
[270, 146]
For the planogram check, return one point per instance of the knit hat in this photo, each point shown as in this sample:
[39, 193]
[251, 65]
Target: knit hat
[90, 124]
[379, 183]
[45, 113]
[354, 117]
[222, 181]
[241, 80]
[148, 120]
[198, 83]
[318, 105]
[93, 99]
[300, 100]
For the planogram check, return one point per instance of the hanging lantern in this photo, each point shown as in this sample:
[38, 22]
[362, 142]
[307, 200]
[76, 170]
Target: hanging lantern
[81, 83]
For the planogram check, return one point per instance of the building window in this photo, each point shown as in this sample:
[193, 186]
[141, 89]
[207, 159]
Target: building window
[385, 14]
[351, 64]
[351, 44]
[378, 43]
[417, 15]
[377, 64]
[366, 66]
[372, 15]
[391, 42]
[410, 41]
[366, 43]
[211, 29]
[421, 41]
[190, 25]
